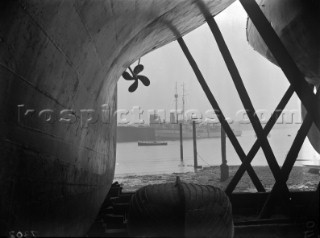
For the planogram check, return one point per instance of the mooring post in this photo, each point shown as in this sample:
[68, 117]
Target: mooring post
[224, 168]
[181, 143]
[195, 153]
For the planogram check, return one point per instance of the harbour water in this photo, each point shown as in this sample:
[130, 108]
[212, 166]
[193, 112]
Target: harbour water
[134, 159]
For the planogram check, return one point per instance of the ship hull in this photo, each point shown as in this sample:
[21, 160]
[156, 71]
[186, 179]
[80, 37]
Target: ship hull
[175, 135]
[131, 134]
[59, 66]
[172, 132]
[297, 23]
[152, 143]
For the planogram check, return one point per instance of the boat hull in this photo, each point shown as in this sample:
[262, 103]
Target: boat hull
[172, 132]
[152, 143]
[297, 23]
[131, 133]
[59, 66]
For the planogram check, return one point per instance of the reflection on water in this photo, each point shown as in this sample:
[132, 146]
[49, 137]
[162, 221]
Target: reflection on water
[134, 159]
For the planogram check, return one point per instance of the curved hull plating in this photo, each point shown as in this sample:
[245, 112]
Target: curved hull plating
[297, 23]
[59, 65]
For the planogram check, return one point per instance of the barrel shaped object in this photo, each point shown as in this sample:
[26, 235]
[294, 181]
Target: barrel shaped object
[180, 210]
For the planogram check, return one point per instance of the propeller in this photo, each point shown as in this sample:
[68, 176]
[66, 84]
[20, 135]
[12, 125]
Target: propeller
[136, 77]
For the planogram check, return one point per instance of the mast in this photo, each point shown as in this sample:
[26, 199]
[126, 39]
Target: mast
[176, 99]
[183, 102]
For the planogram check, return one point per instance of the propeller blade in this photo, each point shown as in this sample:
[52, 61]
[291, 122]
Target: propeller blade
[127, 76]
[133, 87]
[144, 80]
[138, 68]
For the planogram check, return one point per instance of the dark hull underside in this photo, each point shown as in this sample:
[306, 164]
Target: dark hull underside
[68, 55]
[297, 23]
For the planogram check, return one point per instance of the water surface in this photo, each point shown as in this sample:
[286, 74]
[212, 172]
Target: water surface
[134, 159]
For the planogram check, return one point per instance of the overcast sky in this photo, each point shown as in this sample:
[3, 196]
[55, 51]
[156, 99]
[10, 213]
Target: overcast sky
[264, 81]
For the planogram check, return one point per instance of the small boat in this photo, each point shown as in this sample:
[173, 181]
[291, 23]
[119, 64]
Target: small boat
[151, 143]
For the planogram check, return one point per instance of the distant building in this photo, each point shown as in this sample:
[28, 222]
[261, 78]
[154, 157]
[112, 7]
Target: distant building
[155, 119]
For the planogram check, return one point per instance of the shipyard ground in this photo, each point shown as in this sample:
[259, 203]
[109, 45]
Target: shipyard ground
[112, 218]
[300, 179]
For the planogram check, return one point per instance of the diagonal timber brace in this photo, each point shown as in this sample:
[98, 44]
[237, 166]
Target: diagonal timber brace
[246, 101]
[297, 81]
[255, 148]
[220, 115]
[288, 163]
[297, 84]
[285, 61]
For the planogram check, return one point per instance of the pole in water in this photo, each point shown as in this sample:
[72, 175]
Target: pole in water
[176, 100]
[224, 168]
[195, 145]
[181, 143]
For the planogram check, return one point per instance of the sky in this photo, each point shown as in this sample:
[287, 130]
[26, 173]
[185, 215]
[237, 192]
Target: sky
[167, 66]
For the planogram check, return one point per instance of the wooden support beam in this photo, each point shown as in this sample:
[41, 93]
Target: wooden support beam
[283, 58]
[224, 168]
[220, 115]
[294, 76]
[288, 163]
[181, 143]
[298, 84]
[246, 101]
[195, 152]
[255, 148]
[223, 146]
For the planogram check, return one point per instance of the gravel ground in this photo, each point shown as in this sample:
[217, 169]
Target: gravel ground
[300, 179]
